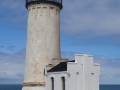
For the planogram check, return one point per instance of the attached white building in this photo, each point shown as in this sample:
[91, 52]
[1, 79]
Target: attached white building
[79, 74]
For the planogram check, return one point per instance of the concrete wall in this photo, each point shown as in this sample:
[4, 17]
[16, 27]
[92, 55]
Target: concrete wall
[43, 40]
[43, 43]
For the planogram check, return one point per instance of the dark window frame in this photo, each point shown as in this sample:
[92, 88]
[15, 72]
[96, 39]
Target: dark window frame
[63, 83]
[52, 83]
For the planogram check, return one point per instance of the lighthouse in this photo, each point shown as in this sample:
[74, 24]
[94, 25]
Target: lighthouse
[44, 68]
[43, 40]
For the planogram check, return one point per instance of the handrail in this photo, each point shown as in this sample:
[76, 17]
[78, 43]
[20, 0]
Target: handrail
[57, 1]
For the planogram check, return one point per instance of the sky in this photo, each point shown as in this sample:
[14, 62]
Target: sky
[87, 27]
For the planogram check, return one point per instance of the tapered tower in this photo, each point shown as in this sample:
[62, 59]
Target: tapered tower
[43, 40]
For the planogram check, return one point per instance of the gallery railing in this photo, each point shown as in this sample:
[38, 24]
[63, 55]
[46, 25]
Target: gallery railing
[55, 2]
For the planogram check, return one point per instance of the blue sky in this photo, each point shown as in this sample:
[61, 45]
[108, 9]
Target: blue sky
[87, 26]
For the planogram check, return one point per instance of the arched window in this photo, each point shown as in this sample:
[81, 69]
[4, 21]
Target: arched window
[63, 83]
[52, 83]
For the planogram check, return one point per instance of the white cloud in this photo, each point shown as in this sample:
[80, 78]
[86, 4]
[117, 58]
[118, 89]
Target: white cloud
[91, 18]
[12, 5]
[13, 11]
[110, 69]
[12, 66]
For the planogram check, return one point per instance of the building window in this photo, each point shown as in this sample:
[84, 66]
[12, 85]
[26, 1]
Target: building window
[63, 83]
[52, 83]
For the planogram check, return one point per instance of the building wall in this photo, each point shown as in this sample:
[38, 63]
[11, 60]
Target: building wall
[90, 72]
[75, 81]
[57, 80]
[82, 74]
[96, 75]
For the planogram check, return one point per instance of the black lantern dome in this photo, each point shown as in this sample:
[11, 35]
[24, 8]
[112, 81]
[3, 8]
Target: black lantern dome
[55, 2]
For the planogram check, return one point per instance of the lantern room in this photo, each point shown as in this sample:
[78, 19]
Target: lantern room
[54, 2]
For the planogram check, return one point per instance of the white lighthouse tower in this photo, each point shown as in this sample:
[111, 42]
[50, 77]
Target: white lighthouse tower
[43, 40]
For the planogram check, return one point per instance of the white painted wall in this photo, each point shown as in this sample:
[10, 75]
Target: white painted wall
[57, 80]
[96, 75]
[82, 74]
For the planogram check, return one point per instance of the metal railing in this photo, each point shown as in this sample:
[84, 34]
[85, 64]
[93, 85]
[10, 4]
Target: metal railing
[56, 1]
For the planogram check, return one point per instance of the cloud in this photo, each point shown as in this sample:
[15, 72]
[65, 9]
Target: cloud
[12, 66]
[83, 18]
[11, 48]
[68, 55]
[13, 13]
[7, 47]
[73, 41]
[91, 18]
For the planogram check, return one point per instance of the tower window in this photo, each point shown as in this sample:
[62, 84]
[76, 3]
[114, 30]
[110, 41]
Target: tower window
[52, 83]
[63, 83]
